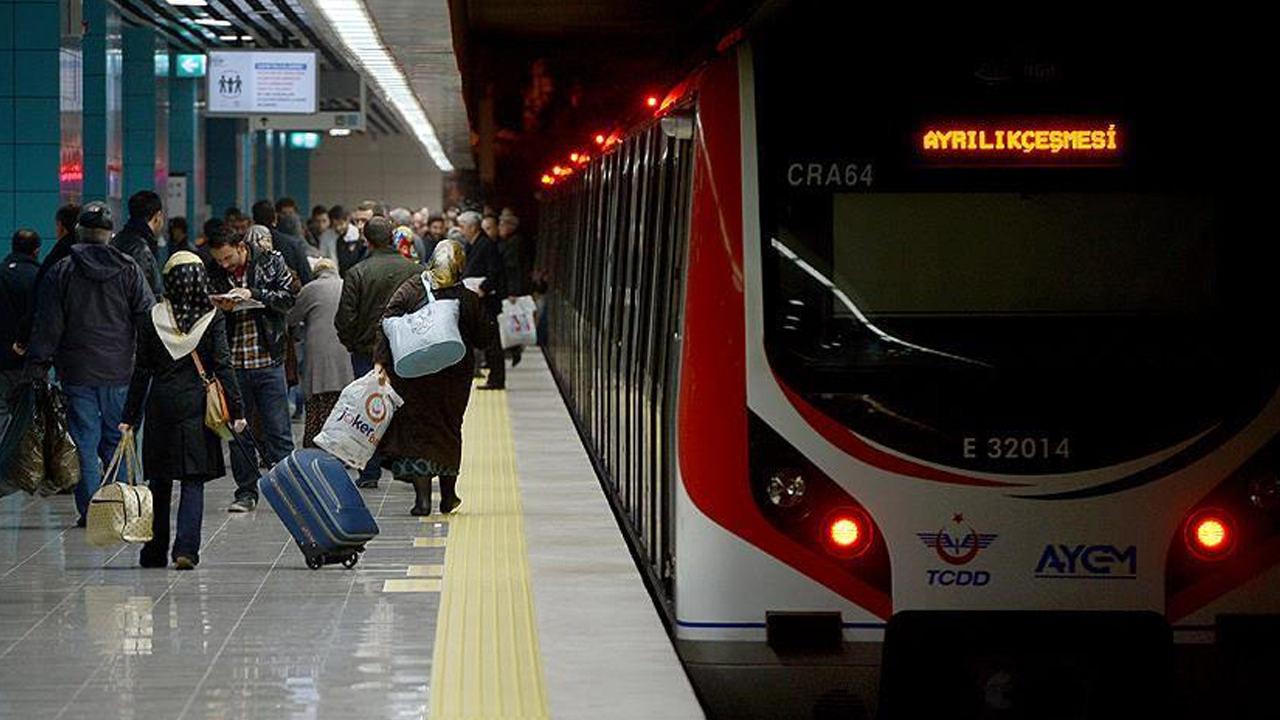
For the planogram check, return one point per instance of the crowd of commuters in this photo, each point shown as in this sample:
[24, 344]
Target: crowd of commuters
[134, 322]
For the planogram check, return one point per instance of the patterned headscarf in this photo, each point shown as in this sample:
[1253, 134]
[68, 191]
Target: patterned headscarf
[402, 241]
[445, 267]
[186, 287]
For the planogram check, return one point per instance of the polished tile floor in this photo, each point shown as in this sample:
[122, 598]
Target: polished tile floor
[252, 633]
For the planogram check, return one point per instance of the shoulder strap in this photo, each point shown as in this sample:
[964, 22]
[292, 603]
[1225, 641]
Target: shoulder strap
[195, 356]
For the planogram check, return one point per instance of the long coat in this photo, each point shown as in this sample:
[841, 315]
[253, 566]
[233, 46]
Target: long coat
[328, 364]
[429, 424]
[176, 444]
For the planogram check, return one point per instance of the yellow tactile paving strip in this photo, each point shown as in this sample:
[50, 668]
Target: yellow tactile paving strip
[487, 663]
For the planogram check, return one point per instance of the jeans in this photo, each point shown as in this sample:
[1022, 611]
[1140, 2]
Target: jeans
[94, 414]
[190, 518]
[372, 470]
[265, 395]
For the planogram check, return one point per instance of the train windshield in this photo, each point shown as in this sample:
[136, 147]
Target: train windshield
[1010, 261]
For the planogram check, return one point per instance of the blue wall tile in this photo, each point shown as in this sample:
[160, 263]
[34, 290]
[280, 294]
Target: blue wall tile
[39, 23]
[6, 72]
[6, 26]
[6, 120]
[37, 73]
[35, 210]
[37, 119]
[6, 212]
[35, 167]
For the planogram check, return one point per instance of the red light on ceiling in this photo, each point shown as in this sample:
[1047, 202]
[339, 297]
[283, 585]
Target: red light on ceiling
[548, 180]
[1210, 535]
[573, 157]
[599, 138]
[557, 171]
[651, 101]
[847, 532]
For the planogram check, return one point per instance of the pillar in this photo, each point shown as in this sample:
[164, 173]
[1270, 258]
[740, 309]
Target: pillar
[221, 149]
[139, 109]
[298, 178]
[184, 139]
[101, 120]
[30, 121]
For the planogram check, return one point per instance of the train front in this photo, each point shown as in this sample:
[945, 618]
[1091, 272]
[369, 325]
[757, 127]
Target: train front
[1008, 340]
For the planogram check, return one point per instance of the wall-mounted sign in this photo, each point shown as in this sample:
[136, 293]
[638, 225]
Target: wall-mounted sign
[191, 66]
[1014, 143]
[251, 82]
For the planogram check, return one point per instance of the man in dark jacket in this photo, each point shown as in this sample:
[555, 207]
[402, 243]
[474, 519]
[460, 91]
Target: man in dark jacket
[146, 220]
[367, 287]
[256, 290]
[64, 227]
[484, 261]
[17, 283]
[88, 309]
[509, 247]
[292, 248]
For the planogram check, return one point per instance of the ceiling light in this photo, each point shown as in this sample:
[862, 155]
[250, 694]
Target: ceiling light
[213, 22]
[188, 3]
[229, 37]
[339, 132]
[247, 38]
[355, 30]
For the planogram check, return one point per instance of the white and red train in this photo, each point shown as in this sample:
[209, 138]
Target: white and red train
[937, 377]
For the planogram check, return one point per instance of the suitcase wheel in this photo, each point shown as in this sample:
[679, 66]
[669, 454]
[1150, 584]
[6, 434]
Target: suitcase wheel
[315, 562]
[350, 561]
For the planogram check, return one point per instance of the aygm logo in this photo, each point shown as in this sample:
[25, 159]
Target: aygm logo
[957, 544]
[1088, 562]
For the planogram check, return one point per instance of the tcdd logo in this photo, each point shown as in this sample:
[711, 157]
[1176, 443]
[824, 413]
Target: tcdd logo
[958, 547]
[963, 578]
[1088, 562]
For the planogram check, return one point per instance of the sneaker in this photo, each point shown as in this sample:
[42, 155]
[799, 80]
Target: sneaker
[152, 562]
[243, 505]
[183, 562]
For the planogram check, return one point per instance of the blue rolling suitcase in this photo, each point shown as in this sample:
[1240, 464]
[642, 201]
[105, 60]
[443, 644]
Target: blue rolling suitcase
[321, 506]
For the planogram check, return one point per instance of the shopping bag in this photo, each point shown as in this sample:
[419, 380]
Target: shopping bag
[61, 462]
[23, 445]
[21, 462]
[121, 510]
[426, 340]
[516, 324]
[359, 419]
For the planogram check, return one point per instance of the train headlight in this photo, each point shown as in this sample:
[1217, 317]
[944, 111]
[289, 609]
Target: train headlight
[786, 488]
[1210, 534]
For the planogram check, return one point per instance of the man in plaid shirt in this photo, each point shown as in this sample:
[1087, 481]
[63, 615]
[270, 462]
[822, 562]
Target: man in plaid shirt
[256, 289]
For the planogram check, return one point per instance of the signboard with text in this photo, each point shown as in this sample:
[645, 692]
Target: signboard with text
[250, 82]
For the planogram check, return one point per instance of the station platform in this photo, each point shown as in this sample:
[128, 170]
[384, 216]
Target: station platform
[526, 604]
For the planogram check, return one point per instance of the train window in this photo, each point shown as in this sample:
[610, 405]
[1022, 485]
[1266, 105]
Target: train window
[1037, 311]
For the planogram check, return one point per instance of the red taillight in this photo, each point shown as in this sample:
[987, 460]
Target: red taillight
[651, 101]
[1210, 534]
[599, 139]
[847, 532]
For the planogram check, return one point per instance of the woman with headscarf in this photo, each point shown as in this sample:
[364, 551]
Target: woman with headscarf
[177, 445]
[424, 439]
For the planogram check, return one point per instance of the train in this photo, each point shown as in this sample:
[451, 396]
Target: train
[937, 376]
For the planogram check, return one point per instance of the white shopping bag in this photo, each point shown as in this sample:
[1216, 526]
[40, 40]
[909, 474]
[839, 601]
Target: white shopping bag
[516, 323]
[358, 421]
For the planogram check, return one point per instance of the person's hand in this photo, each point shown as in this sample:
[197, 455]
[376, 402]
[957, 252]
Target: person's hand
[125, 427]
[19, 349]
[241, 294]
[382, 373]
[239, 425]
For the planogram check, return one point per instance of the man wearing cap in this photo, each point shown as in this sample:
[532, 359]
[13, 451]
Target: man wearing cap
[87, 313]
